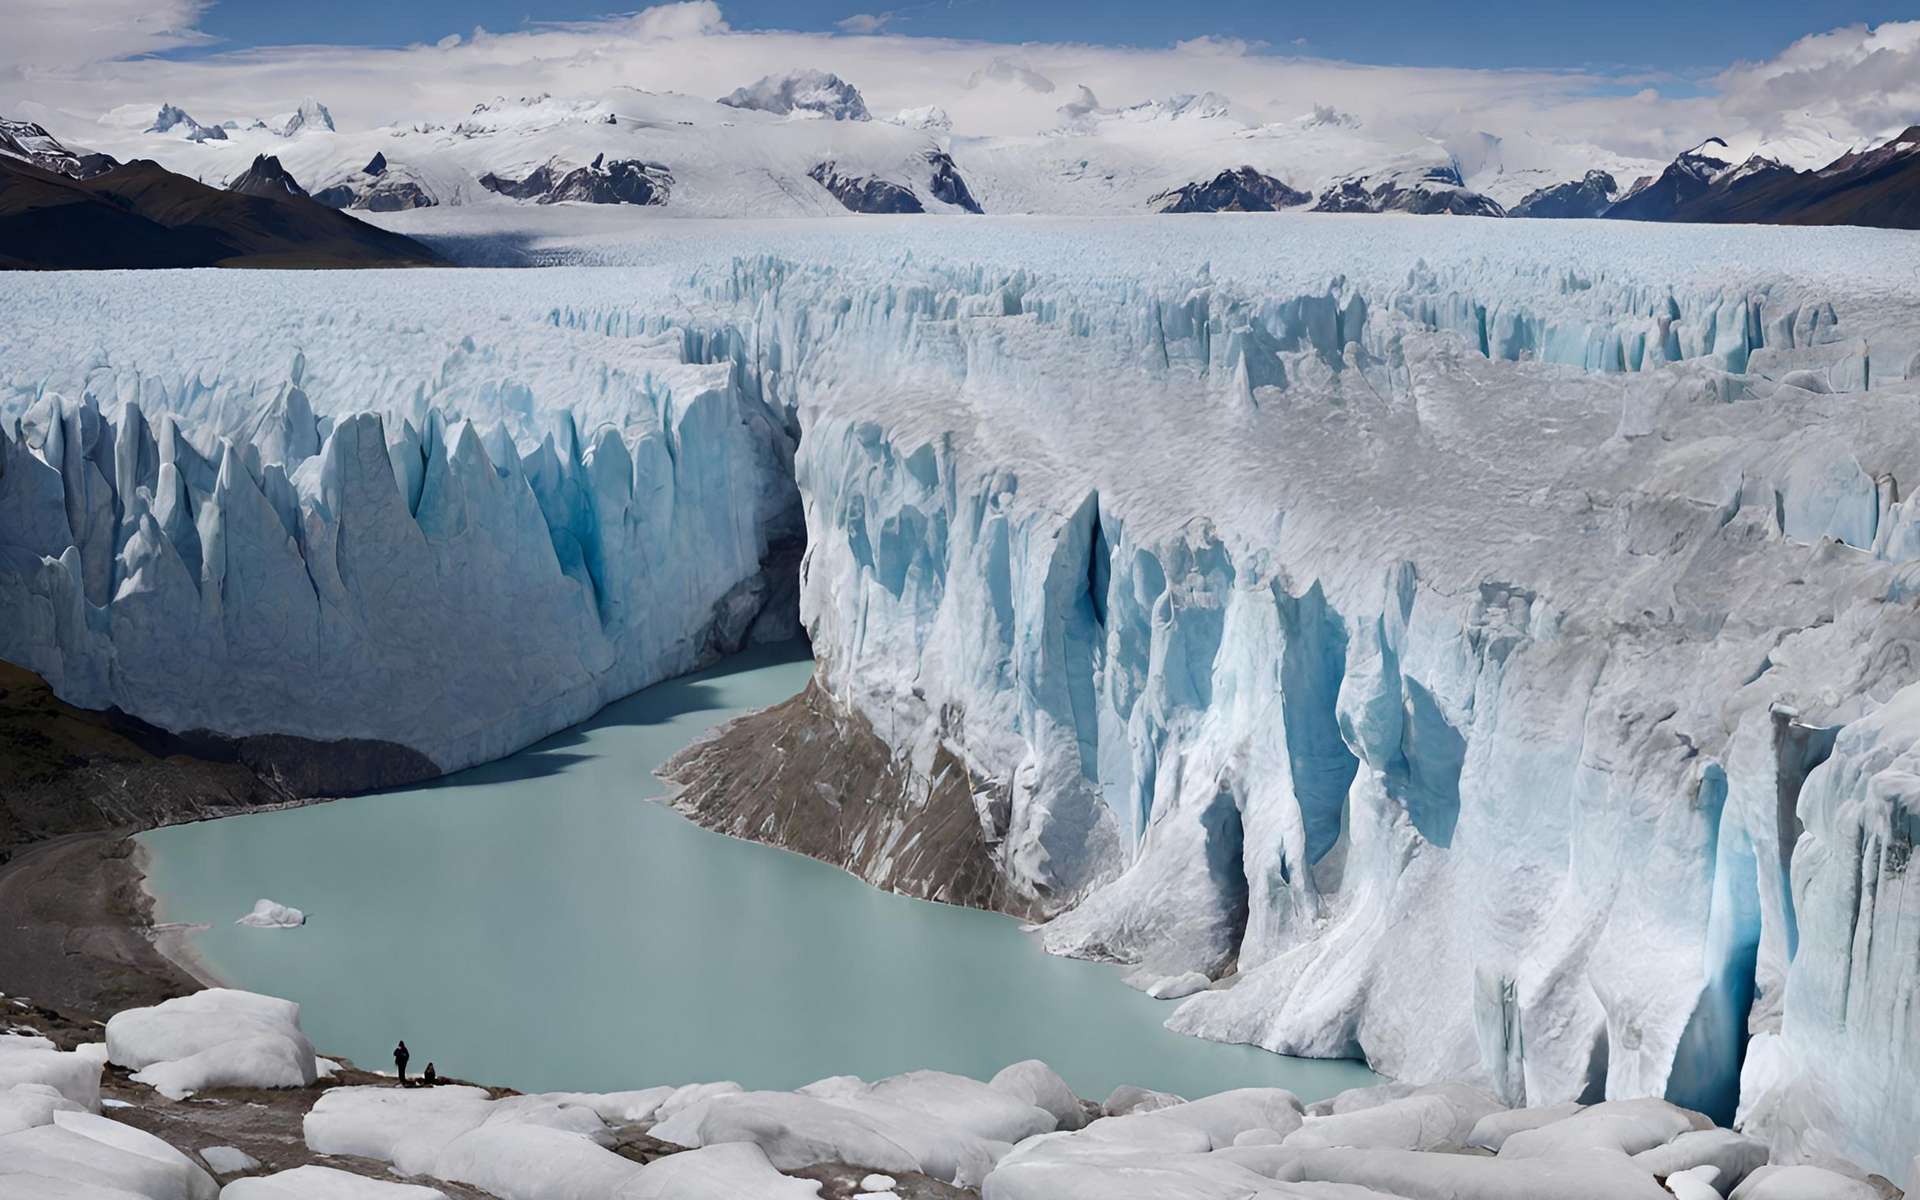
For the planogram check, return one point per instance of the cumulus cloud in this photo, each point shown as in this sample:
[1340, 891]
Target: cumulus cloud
[1006, 70]
[864, 23]
[61, 34]
[90, 56]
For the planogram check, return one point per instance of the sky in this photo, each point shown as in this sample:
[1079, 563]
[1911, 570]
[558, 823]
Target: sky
[1634, 77]
[1687, 39]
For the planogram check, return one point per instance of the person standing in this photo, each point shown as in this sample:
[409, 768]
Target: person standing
[400, 1057]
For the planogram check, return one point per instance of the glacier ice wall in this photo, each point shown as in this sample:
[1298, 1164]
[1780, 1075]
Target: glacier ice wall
[1451, 642]
[411, 576]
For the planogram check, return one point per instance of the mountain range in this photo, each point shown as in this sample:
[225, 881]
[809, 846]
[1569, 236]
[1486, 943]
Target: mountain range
[806, 143]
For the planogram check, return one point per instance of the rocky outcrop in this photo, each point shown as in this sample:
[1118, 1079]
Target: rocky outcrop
[812, 776]
[1242, 190]
[1424, 191]
[1585, 197]
[863, 194]
[946, 184]
[624, 181]
[266, 177]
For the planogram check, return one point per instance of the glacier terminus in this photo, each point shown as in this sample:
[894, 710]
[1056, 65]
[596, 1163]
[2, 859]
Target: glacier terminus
[1482, 648]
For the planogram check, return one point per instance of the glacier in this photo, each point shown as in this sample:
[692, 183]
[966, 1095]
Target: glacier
[1486, 648]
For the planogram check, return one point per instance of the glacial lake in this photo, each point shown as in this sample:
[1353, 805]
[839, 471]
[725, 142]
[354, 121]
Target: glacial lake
[543, 922]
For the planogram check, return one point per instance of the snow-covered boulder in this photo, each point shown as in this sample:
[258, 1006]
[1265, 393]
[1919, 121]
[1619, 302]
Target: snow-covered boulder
[268, 914]
[1628, 1126]
[1733, 1156]
[1592, 1175]
[315, 1182]
[793, 1130]
[214, 1038]
[1127, 1099]
[407, 1127]
[26, 1105]
[1492, 1131]
[735, 1171]
[1695, 1183]
[1034, 1082]
[1177, 987]
[1434, 1118]
[74, 1075]
[1210, 1123]
[78, 1156]
[1803, 1182]
[228, 1160]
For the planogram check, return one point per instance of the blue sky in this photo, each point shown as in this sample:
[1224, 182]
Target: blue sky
[1685, 38]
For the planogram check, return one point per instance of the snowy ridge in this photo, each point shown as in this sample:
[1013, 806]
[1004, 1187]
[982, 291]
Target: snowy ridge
[1470, 599]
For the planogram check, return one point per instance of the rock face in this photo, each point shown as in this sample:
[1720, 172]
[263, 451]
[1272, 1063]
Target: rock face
[946, 184]
[266, 177]
[175, 121]
[1873, 187]
[816, 93]
[865, 195]
[1685, 180]
[377, 187]
[810, 776]
[1244, 190]
[1424, 190]
[31, 143]
[600, 182]
[1585, 197]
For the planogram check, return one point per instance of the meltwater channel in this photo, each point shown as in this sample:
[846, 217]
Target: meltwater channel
[542, 922]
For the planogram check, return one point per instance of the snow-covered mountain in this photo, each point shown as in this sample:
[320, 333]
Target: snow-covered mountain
[802, 93]
[804, 142]
[29, 143]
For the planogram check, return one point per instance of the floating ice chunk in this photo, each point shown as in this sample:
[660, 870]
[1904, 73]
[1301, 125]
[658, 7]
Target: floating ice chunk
[228, 1160]
[1035, 1083]
[1802, 1183]
[267, 914]
[1175, 987]
[314, 1182]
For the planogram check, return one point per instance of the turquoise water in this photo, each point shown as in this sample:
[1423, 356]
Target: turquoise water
[538, 922]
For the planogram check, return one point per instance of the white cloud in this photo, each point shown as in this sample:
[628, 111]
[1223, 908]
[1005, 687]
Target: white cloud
[865, 23]
[1006, 70]
[80, 57]
[1218, 47]
[63, 34]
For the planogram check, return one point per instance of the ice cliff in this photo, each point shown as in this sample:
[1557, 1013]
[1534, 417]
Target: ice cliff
[1479, 654]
